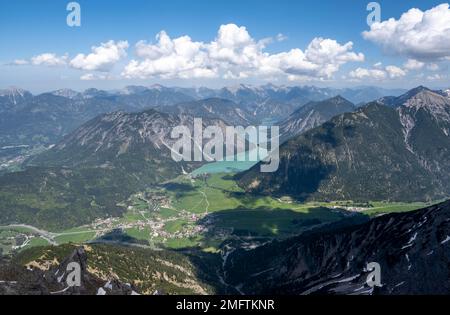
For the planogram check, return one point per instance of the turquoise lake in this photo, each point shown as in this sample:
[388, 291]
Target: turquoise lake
[229, 166]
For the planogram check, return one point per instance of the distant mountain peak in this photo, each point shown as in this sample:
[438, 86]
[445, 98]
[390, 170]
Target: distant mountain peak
[338, 99]
[132, 89]
[333, 160]
[213, 108]
[415, 91]
[15, 94]
[157, 87]
[426, 98]
[235, 88]
[13, 90]
[314, 114]
[93, 92]
[420, 88]
[252, 88]
[68, 93]
[419, 97]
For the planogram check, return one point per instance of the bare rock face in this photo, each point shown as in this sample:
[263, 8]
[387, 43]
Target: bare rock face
[412, 249]
[120, 140]
[213, 108]
[55, 281]
[314, 114]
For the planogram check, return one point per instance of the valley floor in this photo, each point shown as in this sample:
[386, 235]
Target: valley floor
[200, 211]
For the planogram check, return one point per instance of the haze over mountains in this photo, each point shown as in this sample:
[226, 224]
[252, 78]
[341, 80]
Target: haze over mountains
[46, 118]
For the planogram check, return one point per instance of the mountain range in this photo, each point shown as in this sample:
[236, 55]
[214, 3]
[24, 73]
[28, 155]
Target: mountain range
[213, 108]
[122, 140]
[105, 146]
[399, 152]
[90, 171]
[45, 118]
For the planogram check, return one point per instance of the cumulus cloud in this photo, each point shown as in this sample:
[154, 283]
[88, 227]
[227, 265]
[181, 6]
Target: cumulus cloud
[422, 35]
[378, 73]
[413, 64]
[49, 59]
[436, 77]
[235, 46]
[102, 58]
[95, 77]
[170, 58]
[363, 73]
[235, 54]
[19, 62]
[395, 72]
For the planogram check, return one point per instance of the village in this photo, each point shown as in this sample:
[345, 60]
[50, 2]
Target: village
[145, 217]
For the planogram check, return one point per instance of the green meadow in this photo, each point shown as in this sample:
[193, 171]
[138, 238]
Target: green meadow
[217, 198]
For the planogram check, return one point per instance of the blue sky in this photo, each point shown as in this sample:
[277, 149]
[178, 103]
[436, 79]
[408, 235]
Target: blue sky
[29, 29]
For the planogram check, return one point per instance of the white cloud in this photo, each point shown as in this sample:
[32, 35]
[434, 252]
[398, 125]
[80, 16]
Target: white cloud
[87, 77]
[180, 57]
[417, 34]
[436, 77]
[95, 77]
[281, 37]
[19, 62]
[49, 59]
[322, 58]
[102, 58]
[413, 64]
[235, 54]
[378, 73]
[378, 65]
[363, 73]
[395, 72]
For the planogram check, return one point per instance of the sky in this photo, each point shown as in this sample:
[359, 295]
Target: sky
[223, 43]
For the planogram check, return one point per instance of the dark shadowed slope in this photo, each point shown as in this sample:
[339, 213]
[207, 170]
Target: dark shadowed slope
[413, 250]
